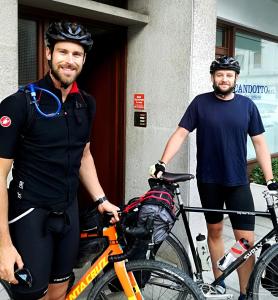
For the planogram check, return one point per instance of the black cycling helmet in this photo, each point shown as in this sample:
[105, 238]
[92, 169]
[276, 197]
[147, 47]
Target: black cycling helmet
[225, 63]
[67, 31]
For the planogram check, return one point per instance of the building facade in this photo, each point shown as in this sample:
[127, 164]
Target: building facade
[150, 58]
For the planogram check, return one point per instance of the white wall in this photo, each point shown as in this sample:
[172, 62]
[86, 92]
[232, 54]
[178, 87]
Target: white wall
[168, 61]
[256, 14]
[158, 65]
[8, 48]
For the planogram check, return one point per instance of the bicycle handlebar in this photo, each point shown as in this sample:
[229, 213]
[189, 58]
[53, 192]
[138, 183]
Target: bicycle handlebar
[139, 233]
[128, 254]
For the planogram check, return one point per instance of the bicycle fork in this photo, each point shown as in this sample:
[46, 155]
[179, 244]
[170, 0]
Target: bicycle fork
[128, 281]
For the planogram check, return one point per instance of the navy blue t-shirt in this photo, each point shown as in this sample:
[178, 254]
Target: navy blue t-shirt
[222, 129]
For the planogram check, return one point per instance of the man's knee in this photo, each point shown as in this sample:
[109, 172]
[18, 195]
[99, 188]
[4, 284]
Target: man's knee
[246, 234]
[215, 230]
[58, 290]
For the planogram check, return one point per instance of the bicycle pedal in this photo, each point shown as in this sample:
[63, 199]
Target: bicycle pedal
[210, 292]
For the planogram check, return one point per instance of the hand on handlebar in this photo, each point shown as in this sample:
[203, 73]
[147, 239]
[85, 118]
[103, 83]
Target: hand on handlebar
[107, 206]
[272, 185]
[157, 169]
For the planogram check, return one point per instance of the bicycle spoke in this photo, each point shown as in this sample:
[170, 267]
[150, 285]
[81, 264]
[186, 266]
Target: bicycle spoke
[265, 281]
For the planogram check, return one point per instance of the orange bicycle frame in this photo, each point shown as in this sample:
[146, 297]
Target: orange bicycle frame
[127, 280]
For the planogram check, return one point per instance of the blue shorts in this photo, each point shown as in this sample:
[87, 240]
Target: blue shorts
[48, 244]
[234, 197]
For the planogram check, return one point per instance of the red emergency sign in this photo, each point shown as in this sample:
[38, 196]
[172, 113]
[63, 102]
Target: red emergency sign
[139, 101]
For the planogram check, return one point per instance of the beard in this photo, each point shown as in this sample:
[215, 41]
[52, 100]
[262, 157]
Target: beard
[222, 92]
[65, 82]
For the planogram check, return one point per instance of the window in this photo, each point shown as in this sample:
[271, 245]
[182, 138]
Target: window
[258, 80]
[224, 40]
[220, 37]
[28, 58]
[257, 59]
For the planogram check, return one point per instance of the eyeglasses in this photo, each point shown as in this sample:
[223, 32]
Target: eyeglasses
[24, 277]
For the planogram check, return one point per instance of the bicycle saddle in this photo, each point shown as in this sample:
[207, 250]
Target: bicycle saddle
[176, 177]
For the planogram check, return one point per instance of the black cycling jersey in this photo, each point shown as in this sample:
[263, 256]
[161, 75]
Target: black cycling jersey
[47, 156]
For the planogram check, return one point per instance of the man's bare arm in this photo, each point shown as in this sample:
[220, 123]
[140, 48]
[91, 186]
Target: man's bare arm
[89, 178]
[263, 155]
[8, 254]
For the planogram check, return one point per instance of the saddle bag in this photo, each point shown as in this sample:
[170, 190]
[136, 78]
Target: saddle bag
[155, 207]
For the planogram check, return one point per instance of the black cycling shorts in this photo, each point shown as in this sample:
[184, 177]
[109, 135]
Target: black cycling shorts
[48, 244]
[234, 197]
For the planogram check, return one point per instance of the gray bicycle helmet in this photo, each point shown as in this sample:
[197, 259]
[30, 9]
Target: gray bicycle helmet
[67, 31]
[225, 63]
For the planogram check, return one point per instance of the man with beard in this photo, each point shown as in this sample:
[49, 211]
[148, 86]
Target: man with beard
[49, 157]
[223, 120]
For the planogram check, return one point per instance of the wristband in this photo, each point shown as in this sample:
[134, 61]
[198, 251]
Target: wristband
[270, 181]
[100, 200]
[162, 163]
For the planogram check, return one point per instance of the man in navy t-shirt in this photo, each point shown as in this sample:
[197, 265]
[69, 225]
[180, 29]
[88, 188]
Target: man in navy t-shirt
[223, 120]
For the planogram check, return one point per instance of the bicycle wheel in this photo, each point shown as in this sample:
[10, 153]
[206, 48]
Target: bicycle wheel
[156, 280]
[5, 292]
[172, 252]
[263, 283]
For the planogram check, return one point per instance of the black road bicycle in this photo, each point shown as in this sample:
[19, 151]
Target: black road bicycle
[263, 282]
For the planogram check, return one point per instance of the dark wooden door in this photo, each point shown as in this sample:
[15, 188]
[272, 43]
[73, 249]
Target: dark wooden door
[104, 76]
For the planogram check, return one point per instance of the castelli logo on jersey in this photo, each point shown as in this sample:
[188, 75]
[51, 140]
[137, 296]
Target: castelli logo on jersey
[5, 121]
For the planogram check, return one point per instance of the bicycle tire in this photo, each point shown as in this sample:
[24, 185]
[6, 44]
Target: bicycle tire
[5, 292]
[171, 251]
[263, 283]
[163, 282]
